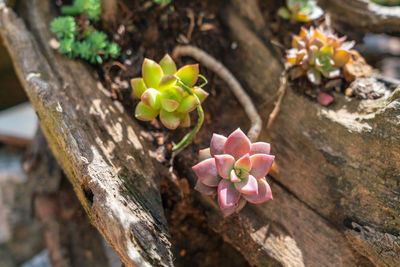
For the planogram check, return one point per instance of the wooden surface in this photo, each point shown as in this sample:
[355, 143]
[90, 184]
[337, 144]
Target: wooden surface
[93, 140]
[336, 198]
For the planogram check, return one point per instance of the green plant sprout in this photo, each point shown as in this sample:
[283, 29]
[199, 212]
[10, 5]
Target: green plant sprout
[91, 8]
[161, 2]
[300, 10]
[90, 44]
[170, 94]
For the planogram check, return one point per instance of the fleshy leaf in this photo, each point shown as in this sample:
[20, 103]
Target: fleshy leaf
[168, 65]
[169, 119]
[152, 73]
[261, 164]
[204, 154]
[188, 74]
[224, 165]
[233, 177]
[247, 186]
[341, 57]
[207, 172]
[235, 208]
[144, 113]
[228, 196]
[237, 144]
[260, 148]
[204, 189]
[244, 163]
[188, 104]
[185, 120]
[284, 13]
[138, 87]
[200, 93]
[217, 144]
[151, 98]
[169, 104]
[314, 76]
[167, 81]
[175, 93]
[264, 193]
[324, 99]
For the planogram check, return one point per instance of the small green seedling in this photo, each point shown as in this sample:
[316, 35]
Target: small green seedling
[89, 44]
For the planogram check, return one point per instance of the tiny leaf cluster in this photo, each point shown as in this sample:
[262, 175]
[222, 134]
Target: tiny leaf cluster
[89, 44]
[167, 92]
[316, 54]
[160, 2]
[300, 10]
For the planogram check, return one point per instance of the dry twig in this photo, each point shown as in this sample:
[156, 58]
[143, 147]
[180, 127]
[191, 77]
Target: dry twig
[281, 92]
[217, 67]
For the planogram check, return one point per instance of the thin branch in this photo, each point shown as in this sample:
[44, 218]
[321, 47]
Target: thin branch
[281, 92]
[217, 67]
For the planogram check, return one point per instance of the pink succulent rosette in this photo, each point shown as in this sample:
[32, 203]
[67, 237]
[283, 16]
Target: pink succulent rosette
[235, 169]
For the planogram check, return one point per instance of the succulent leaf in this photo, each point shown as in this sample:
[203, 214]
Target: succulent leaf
[188, 104]
[244, 163]
[224, 164]
[217, 144]
[151, 98]
[200, 93]
[261, 164]
[237, 144]
[204, 189]
[185, 120]
[171, 120]
[138, 87]
[264, 193]
[247, 186]
[228, 196]
[204, 154]
[152, 73]
[167, 81]
[169, 104]
[188, 74]
[260, 148]
[144, 113]
[168, 65]
[207, 172]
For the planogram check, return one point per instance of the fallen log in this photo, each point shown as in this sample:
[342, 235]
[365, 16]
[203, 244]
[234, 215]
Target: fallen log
[93, 140]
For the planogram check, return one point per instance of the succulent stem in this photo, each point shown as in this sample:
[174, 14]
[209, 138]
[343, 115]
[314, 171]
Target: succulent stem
[187, 139]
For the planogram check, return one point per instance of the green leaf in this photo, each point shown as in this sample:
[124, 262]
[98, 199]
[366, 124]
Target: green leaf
[167, 81]
[284, 13]
[169, 104]
[144, 113]
[152, 73]
[188, 74]
[185, 120]
[170, 120]
[188, 104]
[64, 27]
[168, 65]
[200, 93]
[175, 93]
[138, 87]
[151, 98]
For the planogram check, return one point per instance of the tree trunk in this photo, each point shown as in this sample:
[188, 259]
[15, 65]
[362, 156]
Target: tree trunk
[336, 198]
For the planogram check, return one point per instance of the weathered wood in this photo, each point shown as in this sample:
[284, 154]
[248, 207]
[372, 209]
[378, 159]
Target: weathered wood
[364, 15]
[93, 140]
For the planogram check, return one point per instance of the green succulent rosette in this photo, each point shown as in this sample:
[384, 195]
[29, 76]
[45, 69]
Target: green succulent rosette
[163, 91]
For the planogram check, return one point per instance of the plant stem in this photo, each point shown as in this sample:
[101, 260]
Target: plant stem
[187, 139]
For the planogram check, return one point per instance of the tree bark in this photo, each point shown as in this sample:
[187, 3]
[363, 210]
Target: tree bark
[93, 140]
